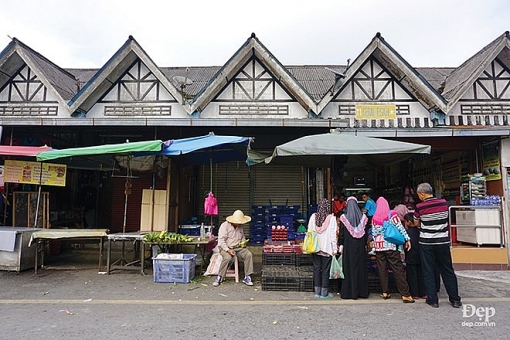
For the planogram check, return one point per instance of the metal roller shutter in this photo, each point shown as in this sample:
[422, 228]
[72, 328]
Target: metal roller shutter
[230, 186]
[279, 185]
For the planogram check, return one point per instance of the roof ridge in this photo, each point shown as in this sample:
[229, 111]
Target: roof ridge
[39, 55]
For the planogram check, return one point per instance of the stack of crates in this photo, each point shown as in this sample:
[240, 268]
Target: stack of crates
[272, 218]
[288, 222]
[287, 278]
[258, 225]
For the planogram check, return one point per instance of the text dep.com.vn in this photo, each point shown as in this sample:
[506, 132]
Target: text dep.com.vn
[482, 313]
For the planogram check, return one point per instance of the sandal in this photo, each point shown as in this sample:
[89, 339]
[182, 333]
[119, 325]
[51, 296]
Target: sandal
[407, 299]
[386, 296]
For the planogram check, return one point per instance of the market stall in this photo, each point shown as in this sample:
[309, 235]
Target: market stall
[41, 237]
[284, 265]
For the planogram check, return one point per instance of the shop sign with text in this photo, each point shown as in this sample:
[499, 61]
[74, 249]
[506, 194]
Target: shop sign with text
[376, 111]
[35, 173]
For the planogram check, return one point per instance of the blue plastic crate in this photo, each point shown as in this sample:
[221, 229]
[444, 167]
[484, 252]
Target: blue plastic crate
[190, 229]
[174, 270]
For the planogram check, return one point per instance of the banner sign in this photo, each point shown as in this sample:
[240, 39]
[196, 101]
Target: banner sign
[491, 163]
[376, 111]
[35, 173]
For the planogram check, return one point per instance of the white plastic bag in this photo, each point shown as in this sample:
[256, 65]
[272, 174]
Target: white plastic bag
[214, 265]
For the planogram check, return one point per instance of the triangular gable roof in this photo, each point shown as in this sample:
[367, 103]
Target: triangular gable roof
[62, 83]
[251, 47]
[413, 81]
[112, 71]
[465, 75]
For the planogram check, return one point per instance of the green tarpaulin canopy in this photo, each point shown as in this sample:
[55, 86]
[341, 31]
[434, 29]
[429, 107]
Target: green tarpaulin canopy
[319, 149]
[117, 149]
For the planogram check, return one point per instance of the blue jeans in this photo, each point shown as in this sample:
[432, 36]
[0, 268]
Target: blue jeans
[438, 257]
[321, 267]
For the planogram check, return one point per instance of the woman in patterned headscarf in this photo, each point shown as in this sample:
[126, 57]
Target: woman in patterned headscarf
[354, 255]
[325, 224]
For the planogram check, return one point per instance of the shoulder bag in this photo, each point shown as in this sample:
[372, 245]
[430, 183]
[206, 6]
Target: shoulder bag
[392, 234]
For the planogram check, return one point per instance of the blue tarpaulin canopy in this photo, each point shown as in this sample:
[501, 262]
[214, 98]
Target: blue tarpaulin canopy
[210, 148]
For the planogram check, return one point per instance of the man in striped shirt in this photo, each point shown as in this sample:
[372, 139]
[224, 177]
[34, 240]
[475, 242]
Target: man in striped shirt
[431, 215]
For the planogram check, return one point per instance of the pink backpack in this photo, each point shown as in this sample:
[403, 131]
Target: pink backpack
[210, 205]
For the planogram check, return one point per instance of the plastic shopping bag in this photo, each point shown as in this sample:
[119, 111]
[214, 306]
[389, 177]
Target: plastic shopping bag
[310, 243]
[214, 265]
[336, 271]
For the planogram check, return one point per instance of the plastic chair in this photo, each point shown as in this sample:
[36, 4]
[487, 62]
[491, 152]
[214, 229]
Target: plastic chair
[233, 272]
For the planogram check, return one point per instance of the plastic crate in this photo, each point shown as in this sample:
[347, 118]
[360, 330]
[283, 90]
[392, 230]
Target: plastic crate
[303, 260]
[280, 283]
[305, 279]
[278, 259]
[335, 285]
[190, 229]
[174, 270]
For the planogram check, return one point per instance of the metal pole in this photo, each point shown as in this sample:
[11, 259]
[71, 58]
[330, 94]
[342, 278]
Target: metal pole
[38, 197]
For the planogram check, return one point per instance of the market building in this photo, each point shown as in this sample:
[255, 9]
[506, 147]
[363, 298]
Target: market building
[462, 113]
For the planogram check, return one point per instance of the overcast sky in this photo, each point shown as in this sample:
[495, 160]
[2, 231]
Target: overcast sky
[86, 33]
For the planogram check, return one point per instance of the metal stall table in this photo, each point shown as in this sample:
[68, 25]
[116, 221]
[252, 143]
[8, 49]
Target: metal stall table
[200, 243]
[15, 254]
[134, 237]
[41, 237]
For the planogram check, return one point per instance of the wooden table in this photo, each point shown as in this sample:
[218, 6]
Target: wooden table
[134, 237]
[201, 243]
[44, 235]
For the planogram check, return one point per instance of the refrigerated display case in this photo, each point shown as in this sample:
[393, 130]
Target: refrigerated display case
[472, 189]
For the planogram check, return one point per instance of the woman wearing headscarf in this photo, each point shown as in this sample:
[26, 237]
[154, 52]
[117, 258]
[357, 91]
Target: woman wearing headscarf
[324, 222]
[387, 252]
[352, 247]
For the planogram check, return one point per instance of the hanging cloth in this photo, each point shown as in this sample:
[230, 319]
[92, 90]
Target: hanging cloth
[210, 205]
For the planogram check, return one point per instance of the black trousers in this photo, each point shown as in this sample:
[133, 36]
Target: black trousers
[415, 280]
[438, 257]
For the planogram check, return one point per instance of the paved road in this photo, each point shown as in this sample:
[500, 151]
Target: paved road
[65, 302]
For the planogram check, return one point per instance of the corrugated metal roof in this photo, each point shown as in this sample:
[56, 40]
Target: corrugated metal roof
[316, 79]
[199, 76]
[435, 75]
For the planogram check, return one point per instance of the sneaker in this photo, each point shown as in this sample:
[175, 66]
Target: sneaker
[432, 304]
[329, 296]
[217, 282]
[456, 304]
[247, 281]
[372, 252]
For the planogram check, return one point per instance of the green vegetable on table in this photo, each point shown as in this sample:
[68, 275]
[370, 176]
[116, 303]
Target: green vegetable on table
[165, 237]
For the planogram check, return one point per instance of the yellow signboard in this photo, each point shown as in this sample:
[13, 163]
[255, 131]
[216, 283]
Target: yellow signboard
[32, 173]
[376, 111]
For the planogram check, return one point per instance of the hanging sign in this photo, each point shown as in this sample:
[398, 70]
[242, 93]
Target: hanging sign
[376, 111]
[35, 173]
[491, 163]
